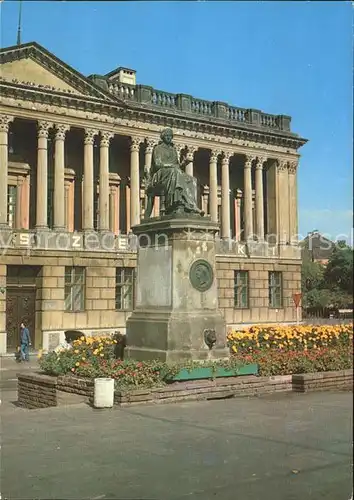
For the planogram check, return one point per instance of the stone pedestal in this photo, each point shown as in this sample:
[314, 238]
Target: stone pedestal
[176, 292]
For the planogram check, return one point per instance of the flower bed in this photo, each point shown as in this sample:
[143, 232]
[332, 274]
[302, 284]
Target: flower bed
[96, 357]
[286, 350]
[277, 350]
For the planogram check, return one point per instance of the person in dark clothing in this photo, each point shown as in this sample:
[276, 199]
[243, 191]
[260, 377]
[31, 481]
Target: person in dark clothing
[25, 342]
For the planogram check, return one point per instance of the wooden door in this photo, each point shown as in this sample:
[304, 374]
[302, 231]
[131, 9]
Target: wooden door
[20, 307]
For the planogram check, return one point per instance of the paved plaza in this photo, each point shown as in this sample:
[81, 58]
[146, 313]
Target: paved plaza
[281, 447]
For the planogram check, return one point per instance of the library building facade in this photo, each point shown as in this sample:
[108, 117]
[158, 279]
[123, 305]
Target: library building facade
[73, 152]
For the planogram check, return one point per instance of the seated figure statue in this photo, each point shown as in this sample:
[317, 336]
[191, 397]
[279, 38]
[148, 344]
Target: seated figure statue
[166, 178]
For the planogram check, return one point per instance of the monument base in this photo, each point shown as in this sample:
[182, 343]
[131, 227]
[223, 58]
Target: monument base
[176, 315]
[174, 336]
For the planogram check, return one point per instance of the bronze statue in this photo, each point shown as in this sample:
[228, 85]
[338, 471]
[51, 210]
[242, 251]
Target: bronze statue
[166, 178]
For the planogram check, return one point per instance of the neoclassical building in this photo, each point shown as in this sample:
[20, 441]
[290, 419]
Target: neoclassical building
[73, 151]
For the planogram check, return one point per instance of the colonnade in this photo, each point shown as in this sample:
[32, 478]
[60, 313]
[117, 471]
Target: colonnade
[104, 139]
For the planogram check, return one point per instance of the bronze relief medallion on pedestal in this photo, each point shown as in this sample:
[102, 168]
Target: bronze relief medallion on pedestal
[201, 275]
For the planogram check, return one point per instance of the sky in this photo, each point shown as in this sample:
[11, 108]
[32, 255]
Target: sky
[292, 58]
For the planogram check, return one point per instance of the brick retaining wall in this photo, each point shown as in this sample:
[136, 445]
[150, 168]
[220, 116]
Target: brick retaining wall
[76, 385]
[206, 390]
[36, 390]
[323, 381]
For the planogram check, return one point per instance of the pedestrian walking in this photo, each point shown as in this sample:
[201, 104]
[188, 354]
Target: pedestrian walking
[25, 342]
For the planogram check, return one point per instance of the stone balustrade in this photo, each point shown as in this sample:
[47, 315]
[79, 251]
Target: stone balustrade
[190, 104]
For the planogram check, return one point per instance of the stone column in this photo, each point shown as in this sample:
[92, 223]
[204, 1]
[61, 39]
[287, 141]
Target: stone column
[134, 181]
[5, 121]
[259, 199]
[293, 217]
[248, 197]
[118, 207]
[190, 157]
[25, 202]
[213, 185]
[19, 203]
[42, 176]
[104, 181]
[66, 203]
[70, 208]
[59, 171]
[88, 197]
[225, 195]
[128, 202]
[113, 209]
[254, 209]
[205, 198]
[238, 214]
[150, 143]
[282, 201]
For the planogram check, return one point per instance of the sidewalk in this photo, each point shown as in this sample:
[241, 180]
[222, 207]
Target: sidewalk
[9, 362]
[9, 368]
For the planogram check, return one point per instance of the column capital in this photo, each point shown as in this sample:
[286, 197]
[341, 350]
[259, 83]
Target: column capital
[260, 162]
[226, 156]
[190, 152]
[282, 165]
[179, 147]
[105, 138]
[43, 128]
[60, 131]
[293, 166]
[90, 135]
[150, 144]
[5, 121]
[239, 194]
[135, 142]
[214, 154]
[249, 160]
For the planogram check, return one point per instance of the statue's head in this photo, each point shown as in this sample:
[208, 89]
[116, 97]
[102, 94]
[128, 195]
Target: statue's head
[167, 135]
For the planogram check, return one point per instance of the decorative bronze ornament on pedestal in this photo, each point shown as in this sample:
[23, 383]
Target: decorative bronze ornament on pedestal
[201, 275]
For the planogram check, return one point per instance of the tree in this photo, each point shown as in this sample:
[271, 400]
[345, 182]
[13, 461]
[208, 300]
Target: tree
[339, 272]
[311, 284]
[311, 275]
[331, 286]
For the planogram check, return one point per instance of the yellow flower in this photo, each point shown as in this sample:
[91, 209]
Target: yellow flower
[83, 359]
[76, 351]
[95, 352]
[101, 354]
[40, 354]
[77, 364]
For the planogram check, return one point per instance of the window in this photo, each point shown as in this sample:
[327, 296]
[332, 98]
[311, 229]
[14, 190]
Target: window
[241, 289]
[74, 289]
[125, 288]
[275, 289]
[11, 205]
